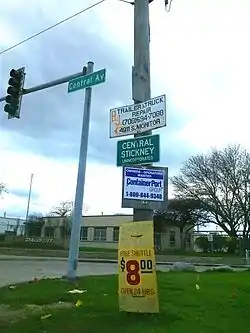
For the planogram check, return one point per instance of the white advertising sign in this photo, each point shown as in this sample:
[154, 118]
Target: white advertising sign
[138, 118]
[210, 237]
[143, 184]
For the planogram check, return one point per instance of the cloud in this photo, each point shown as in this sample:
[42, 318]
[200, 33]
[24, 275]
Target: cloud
[55, 182]
[199, 58]
[22, 193]
[50, 121]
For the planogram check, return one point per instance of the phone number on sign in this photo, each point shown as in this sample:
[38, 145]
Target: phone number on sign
[146, 117]
[143, 195]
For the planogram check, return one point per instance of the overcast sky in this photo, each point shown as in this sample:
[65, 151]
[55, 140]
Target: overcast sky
[199, 59]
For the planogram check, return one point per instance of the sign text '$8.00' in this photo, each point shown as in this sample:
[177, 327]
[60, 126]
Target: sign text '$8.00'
[134, 267]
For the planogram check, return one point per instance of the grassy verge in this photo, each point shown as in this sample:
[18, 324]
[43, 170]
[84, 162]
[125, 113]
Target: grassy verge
[4, 247]
[220, 305]
[97, 253]
[180, 252]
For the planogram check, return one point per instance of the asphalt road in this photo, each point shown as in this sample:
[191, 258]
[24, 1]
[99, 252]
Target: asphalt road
[16, 271]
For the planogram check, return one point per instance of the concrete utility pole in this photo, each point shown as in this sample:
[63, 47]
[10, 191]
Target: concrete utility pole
[28, 203]
[141, 72]
[77, 212]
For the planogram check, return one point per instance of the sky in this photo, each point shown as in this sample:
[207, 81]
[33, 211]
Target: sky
[199, 59]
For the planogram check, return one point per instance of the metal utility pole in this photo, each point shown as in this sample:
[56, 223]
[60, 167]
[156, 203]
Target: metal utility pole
[141, 73]
[28, 204]
[77, 212]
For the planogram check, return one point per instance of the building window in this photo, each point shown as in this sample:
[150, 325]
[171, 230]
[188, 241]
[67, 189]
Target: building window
[172, 238]
[49, 232]
[100, 234]
[116, 234]
[157, 240]
[84, 234]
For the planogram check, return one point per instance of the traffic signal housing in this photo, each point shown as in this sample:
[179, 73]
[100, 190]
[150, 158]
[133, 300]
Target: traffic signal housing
[14, 93]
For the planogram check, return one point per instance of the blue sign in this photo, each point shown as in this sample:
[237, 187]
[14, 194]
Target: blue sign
[143, 184]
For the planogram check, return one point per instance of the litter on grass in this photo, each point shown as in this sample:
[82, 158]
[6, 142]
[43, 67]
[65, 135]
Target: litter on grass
[12, 287]
[78, 303]
[77, 291]
[46, 316]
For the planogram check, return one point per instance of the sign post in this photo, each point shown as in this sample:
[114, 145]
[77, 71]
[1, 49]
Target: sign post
[137, 268]
[141, 150]
[210, 238]
[79, 194]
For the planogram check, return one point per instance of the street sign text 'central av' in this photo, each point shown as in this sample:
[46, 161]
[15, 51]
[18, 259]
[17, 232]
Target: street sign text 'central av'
[86, 81]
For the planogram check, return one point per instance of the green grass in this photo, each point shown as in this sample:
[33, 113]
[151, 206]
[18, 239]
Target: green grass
[15, 245]
[190, 253]
[221, 305]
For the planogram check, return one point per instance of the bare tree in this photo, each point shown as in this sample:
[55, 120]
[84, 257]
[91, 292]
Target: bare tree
[182, 213]
[63, 209]
[219, 180]
[34, 224]
[3, 189]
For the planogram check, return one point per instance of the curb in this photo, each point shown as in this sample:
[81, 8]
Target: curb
[113, 261]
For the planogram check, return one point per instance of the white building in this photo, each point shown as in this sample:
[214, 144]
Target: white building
[102, 231]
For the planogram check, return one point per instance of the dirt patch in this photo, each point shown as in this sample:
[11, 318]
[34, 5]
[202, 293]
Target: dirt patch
[10, 315]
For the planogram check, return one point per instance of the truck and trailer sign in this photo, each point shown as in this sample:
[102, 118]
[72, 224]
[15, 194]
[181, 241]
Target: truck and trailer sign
[138, 118]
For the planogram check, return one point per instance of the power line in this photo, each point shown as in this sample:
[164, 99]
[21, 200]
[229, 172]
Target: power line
[51, 27]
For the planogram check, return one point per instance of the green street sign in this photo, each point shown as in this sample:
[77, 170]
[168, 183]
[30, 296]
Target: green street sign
[86, 81]
[141, 150]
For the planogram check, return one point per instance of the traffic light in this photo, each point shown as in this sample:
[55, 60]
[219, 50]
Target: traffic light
[14, 93]
[84, 70]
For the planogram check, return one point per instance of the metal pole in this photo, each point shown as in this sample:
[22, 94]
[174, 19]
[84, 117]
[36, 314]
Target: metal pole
[48, 84]
[77, 213]
[28, 204]
[141, 72]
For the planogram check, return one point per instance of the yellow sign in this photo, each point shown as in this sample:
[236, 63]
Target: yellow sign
[137, 268]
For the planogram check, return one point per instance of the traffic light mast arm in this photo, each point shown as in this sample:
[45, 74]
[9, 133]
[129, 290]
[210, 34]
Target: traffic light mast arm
[47, 85]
